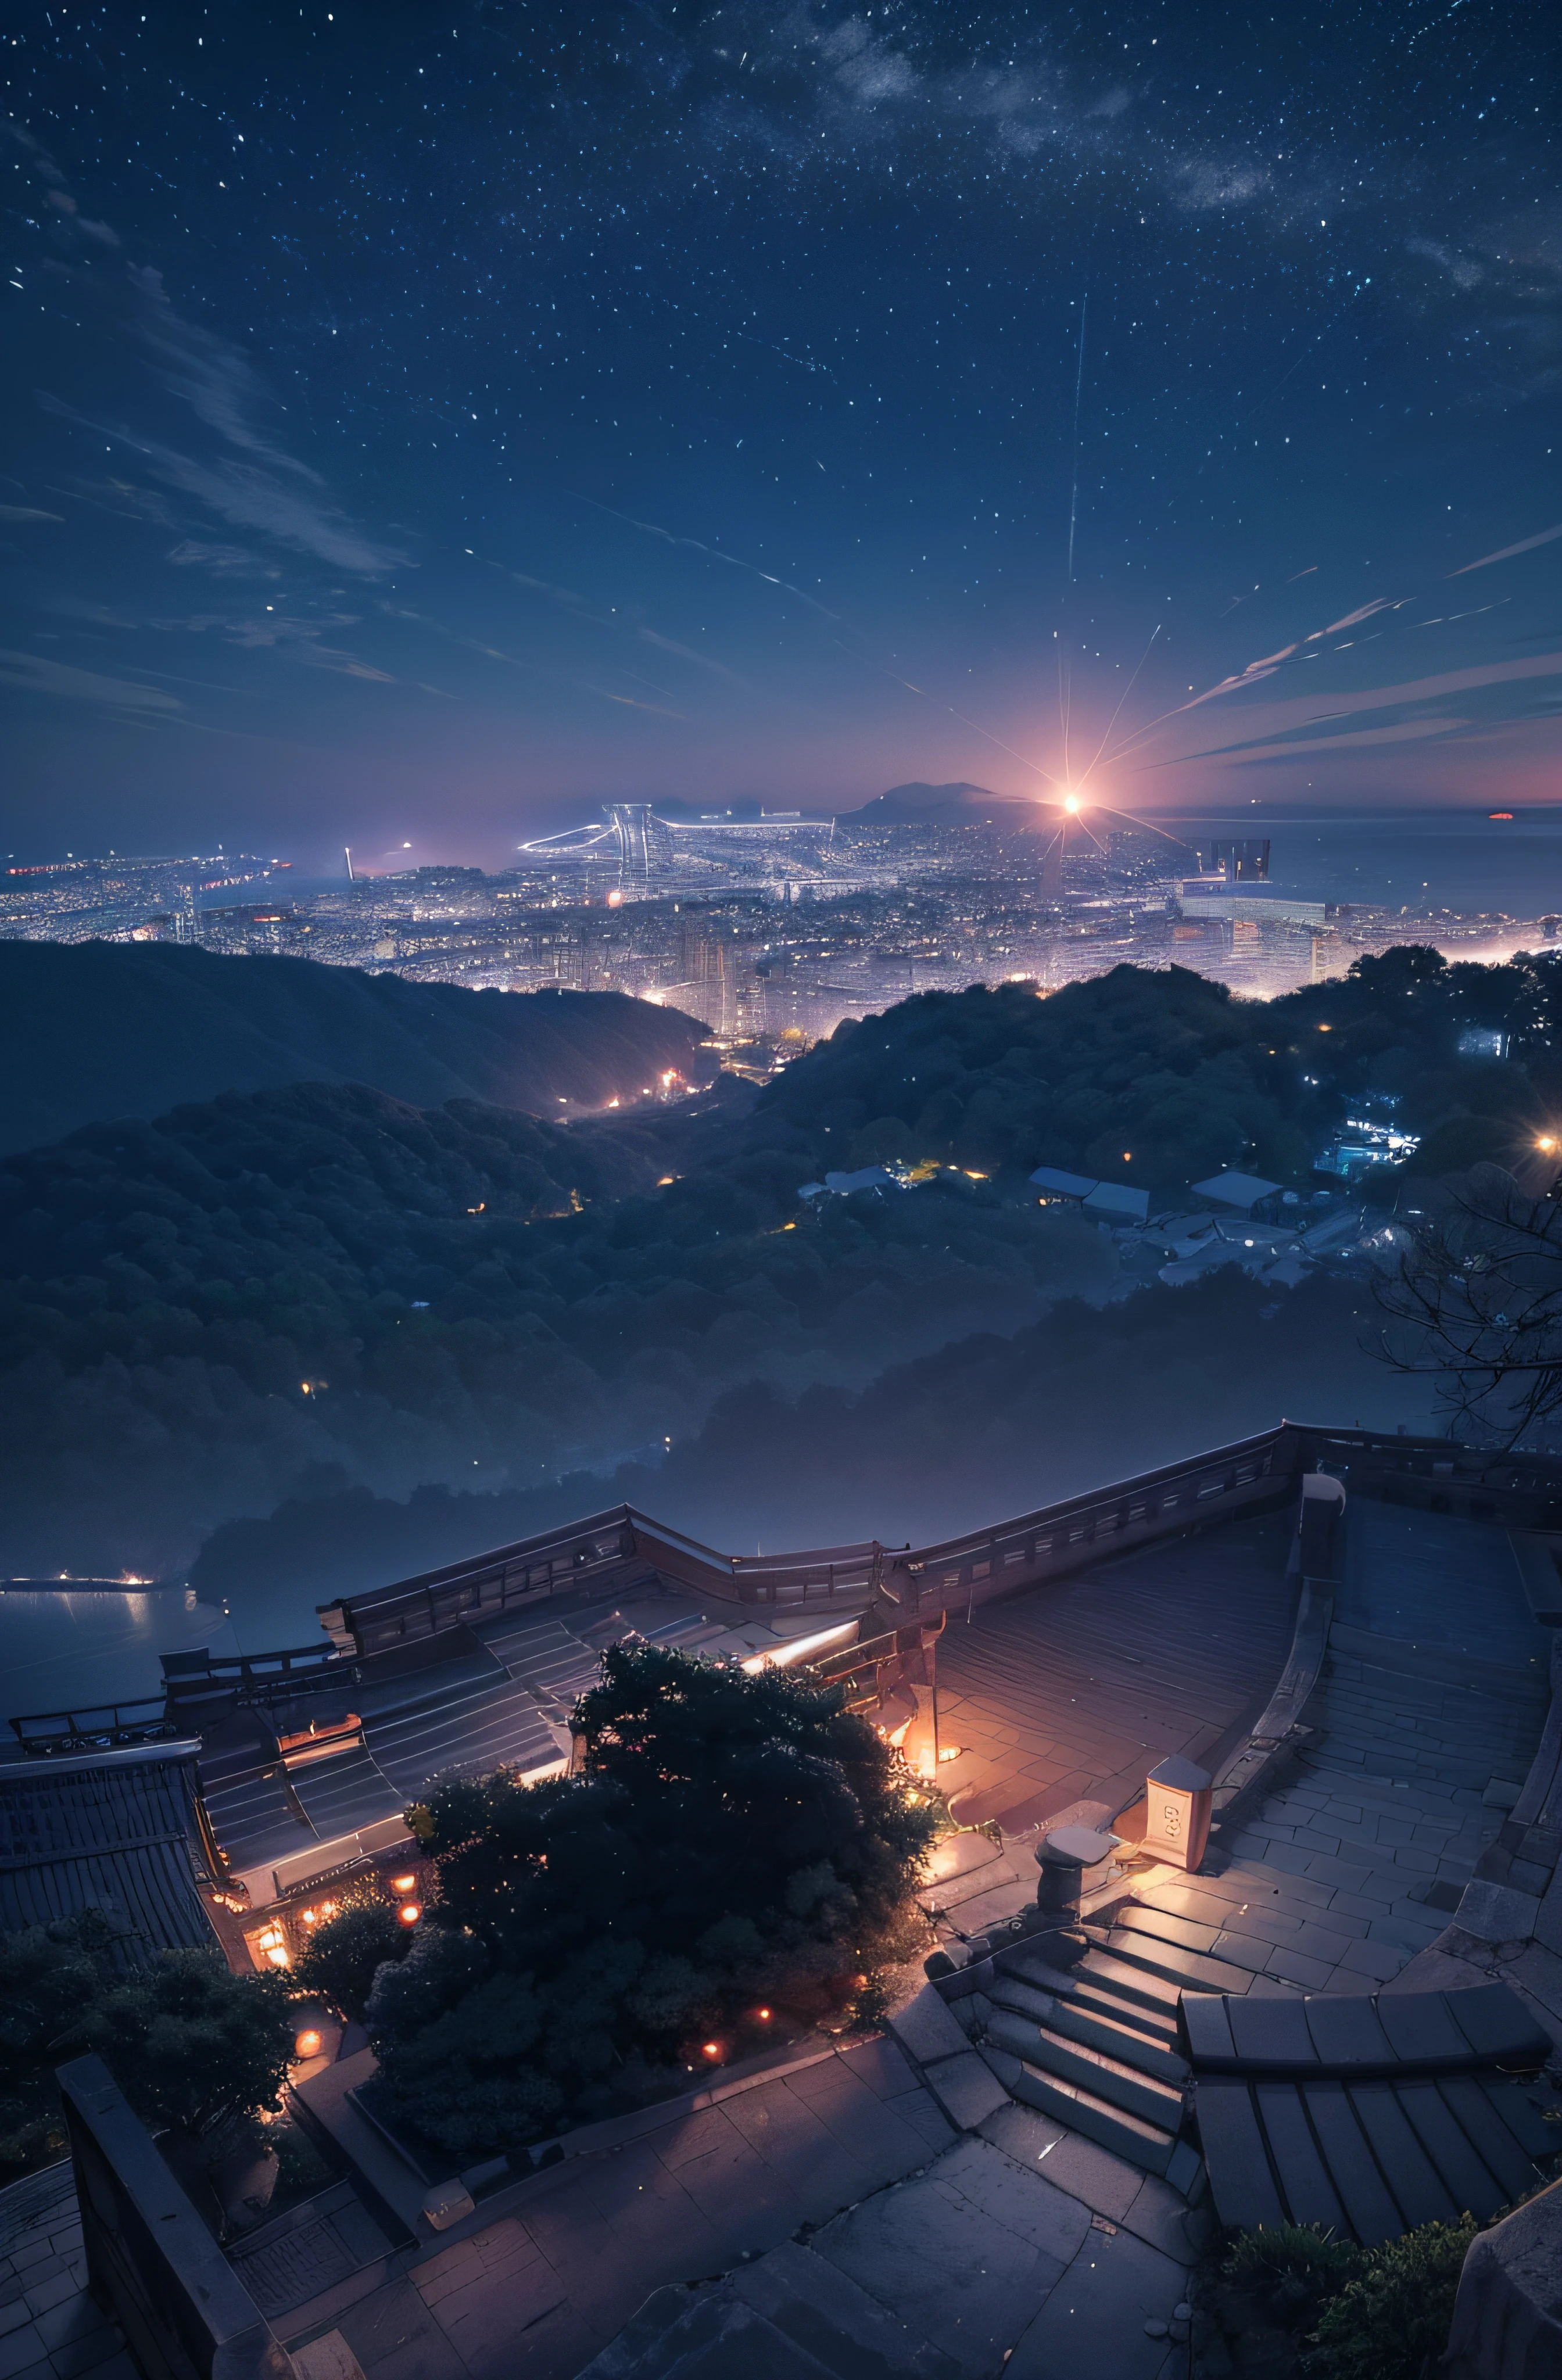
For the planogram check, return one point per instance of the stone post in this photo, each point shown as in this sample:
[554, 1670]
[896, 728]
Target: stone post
[1177, 1822]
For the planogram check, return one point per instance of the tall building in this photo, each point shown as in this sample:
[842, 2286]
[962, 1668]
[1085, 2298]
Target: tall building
[1244, 860]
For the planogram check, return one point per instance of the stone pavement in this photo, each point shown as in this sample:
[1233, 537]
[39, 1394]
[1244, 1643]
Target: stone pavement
[1021, 2245]
[1011, 2242]
[50, 2329]
[536, 2293]
[1075, 1689]
[1022, 2250]
[1421, 1742]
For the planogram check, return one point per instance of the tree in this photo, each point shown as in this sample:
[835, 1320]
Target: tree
[47, 1974]
[728, 1843]
[344, 1954]
[191, 2045]
[1477, 1302]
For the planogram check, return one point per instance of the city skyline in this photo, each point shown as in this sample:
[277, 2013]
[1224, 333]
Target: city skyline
[478, 420]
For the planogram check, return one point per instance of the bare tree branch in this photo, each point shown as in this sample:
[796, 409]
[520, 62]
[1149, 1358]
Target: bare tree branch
[1476, 1302]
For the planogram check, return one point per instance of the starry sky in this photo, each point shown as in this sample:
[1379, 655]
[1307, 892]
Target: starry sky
[423, 423]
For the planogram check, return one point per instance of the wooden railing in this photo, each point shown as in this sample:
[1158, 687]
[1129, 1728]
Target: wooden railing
[623, 1547]
[103, 1727]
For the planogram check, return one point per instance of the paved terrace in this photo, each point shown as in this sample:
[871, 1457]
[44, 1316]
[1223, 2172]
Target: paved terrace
[1060, 1696]
[1428, 1713]
[1071, 1692]
[946, 2227]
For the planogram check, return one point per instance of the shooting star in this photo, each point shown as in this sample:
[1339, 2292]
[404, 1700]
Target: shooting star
[1079, 394]
[695, 545]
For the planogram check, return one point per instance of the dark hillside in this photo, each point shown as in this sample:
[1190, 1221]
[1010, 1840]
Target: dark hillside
[1160, 1078]
[301, 1292]
[103, 1029]
[315, 1284]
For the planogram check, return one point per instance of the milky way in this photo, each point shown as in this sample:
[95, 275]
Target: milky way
[423, 423]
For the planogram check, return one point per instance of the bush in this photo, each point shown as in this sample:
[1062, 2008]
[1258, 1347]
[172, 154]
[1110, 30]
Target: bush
[48, 1974]
[191, 2045]
[343, 1955]
[1294, 2268]
[1392, 2321]
[730, 1841]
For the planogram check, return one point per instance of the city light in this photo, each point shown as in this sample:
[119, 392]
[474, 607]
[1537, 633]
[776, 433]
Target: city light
[409, 1913]
[308, 2045]
[403, 1883]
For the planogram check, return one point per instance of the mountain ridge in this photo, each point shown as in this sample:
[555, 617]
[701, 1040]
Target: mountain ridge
[98, 1030]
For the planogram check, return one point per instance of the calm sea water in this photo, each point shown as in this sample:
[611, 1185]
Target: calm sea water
[63, 1648]
[1409, 858]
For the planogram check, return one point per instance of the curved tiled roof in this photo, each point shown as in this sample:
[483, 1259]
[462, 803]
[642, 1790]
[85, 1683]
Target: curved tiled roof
[111, 1830]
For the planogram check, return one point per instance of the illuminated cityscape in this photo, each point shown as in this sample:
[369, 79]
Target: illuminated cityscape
[771, 928]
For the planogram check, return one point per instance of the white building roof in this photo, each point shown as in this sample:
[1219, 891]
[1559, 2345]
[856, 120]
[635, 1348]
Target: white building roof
[1231, 1189]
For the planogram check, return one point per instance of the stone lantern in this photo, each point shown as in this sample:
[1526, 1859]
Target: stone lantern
[1070, 1858]
[1177, 1824]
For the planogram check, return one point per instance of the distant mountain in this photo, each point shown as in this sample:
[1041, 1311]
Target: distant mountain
[95, 1031]
[919, 805]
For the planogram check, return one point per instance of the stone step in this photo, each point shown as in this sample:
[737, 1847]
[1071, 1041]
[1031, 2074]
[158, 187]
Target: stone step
[789, 2316]
[1144, 2144]
[1181, 1970]
[1133, 1981]
[1123, 2087]
[1095, 1995]
[1126, 2042]
[1096, 2017]
[1025, 1999]
[1166, 1926]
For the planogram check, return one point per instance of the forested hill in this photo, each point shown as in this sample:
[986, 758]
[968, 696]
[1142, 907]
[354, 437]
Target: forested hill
[312, 1293]
[104, 1029]
[1162, 1078]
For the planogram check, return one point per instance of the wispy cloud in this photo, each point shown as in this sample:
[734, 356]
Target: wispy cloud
[252, 497]
[253, 481]
[222, 561]
[34, 673]
[688, 653]
[27, 513]
[1507, 552]
[212, 376]
[1286, 724]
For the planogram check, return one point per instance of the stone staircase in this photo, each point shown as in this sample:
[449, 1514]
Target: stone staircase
[1080, 2024]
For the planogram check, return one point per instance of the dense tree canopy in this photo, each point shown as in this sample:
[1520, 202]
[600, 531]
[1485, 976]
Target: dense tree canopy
[292, 1293]
[193, 2047]
[729, 1843]
[344, 1955]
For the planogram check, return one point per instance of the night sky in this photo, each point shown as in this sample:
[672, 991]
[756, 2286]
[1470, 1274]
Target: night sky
[422, 423]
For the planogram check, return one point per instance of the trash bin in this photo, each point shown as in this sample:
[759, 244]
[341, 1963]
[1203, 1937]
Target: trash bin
[1066, 1858]
[1177, 1826]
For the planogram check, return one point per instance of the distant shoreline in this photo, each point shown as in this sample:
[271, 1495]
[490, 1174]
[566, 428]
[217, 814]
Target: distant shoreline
[91, 1585]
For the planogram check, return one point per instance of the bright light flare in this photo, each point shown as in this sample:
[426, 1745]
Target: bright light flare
[409, 1913]
[801, 1648]
[1071, 804]
[308, 2045]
